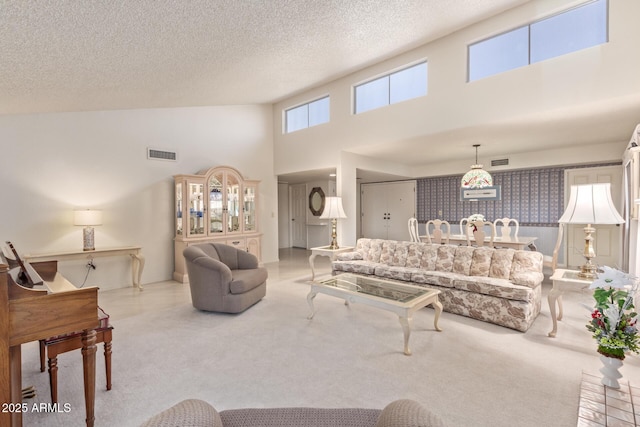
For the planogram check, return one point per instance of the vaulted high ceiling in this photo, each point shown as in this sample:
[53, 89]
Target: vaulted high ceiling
[81, 55]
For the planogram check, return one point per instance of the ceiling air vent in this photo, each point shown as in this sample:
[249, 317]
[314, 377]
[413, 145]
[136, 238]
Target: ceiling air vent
[155, 154]
[500, 162]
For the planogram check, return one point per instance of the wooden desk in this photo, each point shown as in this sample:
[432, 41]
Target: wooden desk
[135, 252]
[31, 315]
[519, 242]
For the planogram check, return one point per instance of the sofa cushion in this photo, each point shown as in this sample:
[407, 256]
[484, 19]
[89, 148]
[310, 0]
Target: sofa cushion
[375, 250]
[481, 262]
[440, 278]
[244, 280]
[388, 248]
[407, 413]
[501, 288]
[446, 254]
[501, 263]
[526, 268]
[414, 255]
[394, 272]
[429, 256]
[462, 260]
[361, 267]
[349, 256]
[399, 258]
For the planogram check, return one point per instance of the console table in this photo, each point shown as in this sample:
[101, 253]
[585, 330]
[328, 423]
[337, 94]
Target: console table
[135, 252]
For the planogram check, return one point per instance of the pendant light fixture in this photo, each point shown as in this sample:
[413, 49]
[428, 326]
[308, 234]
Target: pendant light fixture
[477, 177]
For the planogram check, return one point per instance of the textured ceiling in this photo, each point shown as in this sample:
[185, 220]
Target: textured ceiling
[80, 55]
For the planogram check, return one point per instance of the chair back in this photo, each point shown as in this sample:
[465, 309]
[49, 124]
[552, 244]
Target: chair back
[477, 233]
[413, 230]
[438, 235]
[504, 231]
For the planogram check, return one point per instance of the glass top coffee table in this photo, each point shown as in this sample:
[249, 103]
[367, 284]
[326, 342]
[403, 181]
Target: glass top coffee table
[400, 298]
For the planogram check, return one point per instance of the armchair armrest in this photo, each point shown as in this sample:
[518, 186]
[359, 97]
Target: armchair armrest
[247, 260]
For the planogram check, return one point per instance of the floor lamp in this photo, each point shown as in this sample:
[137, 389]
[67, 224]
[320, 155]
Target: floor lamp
[333, 210]
[590, 204]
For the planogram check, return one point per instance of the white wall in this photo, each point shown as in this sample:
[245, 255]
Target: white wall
[601, 74]
[53, 163]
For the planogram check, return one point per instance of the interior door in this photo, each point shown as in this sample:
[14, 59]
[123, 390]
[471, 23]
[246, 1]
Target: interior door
[386, 209]
[299, 216]
[401, 205]
[374, 211]
[607, 238]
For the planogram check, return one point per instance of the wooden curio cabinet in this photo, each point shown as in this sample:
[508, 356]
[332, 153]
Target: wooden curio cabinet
[215, 205]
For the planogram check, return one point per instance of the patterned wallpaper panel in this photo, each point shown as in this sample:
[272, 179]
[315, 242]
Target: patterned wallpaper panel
[535, 197]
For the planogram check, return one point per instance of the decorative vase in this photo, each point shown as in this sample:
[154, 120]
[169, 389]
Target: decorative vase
[610, 371]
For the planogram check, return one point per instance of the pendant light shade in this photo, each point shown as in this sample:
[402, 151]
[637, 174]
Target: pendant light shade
[477, 177]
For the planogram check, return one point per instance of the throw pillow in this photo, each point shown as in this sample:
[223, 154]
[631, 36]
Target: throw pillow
[501, 263]
[481, 262]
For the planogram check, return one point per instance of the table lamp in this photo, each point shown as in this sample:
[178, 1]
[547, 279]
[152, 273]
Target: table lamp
[333, 210]
[88, 218]
[590, 204]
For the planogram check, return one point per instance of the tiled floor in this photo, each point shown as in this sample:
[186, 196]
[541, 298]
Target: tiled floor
[604, 406]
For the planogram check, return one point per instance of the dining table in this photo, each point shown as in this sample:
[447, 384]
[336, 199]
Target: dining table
[515, 242]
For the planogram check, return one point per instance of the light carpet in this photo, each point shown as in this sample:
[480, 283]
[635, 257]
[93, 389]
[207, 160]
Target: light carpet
[471, 374]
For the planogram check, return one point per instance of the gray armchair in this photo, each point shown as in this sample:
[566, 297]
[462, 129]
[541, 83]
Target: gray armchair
[223, 278]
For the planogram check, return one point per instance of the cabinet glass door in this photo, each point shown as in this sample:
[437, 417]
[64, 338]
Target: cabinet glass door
[233, 204]
[196, 207]
[215, 203]
[179, 209]
[250, 208]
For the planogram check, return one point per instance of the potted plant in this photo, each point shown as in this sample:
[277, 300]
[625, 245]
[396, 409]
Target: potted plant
[613, 320]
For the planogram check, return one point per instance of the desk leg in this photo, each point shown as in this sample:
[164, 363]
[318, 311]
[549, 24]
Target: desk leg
[89, 370]
[137, 265]
[312, 260]
[555, 296]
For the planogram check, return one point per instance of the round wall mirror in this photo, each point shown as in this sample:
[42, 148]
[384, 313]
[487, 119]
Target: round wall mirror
[316, 201]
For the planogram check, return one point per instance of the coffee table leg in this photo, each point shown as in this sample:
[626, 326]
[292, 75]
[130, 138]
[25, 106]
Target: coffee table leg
[437, 306]
[310, 298]
[406, 328]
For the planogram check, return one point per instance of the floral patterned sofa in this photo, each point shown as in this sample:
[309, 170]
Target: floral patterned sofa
[501, 286]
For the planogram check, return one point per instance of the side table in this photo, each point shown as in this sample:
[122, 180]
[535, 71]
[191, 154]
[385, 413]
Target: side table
[563, 280]
[325, 251]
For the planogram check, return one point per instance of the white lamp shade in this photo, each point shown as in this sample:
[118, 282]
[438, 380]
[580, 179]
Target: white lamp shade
[333, 208]
[87, 217]
[591, 204]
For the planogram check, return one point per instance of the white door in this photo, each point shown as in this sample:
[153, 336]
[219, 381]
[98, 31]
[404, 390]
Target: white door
[299, 216]
[607, 238]
[401, 197]
[386, 209]
[374, 211]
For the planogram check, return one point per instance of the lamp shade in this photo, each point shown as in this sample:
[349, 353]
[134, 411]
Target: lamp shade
[87, 217]
[591, 204]
[333, 208]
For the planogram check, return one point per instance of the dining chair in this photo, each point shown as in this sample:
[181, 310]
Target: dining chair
[477, 233]
[505, 229]
[413, 230]
[437, 235]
